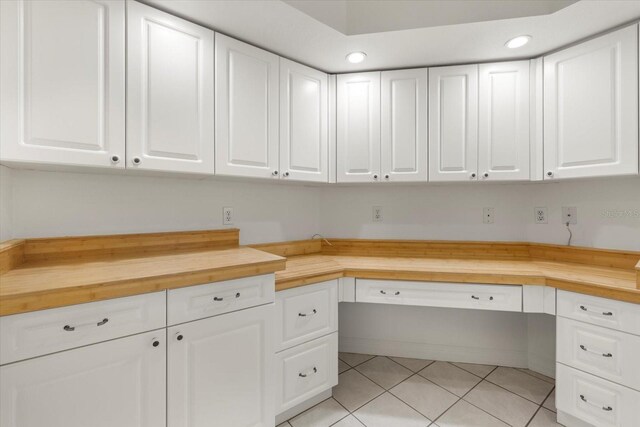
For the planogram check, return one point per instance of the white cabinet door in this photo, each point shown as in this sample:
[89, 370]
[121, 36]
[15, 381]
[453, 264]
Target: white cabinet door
[453, 123]
[62, 79]
[404, 125]
[220, 371]
[169, 92]
[591, 108]
[504, 121]
[303, 123]
[358, 127]
[116, 383]
[246, 109]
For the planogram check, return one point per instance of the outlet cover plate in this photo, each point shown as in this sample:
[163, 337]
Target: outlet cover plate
[569, 215]
[377, 214]
[540, 215]
[488, 215]
[227, 216]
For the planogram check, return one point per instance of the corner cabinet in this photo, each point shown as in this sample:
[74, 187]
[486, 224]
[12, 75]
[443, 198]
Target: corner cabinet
[358, 127]
[591, 108]
[246, 86]
[304, 146]
[503, 121]
[115, 383]
[62, 77]
[404, 125]
[453, 123]
[169, 92]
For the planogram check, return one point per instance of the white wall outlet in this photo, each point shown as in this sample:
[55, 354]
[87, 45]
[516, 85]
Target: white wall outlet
[569, 215]
[377, 214]
[540, 215]
[227, 216]
[487, 215]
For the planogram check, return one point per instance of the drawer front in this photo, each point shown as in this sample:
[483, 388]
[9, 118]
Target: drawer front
[622, 316]
[306, 370]
[306, 313]
[594, 400]
[42, 332]
[604, 352]
[437, 294]
[198, 302]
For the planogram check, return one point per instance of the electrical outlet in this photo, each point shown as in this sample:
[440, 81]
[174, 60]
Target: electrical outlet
[377, 214]
[540, 215]
[487, 215]
[227, 216]
[569, 215]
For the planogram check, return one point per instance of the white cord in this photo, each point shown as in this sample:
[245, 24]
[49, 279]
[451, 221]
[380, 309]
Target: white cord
[570, 234]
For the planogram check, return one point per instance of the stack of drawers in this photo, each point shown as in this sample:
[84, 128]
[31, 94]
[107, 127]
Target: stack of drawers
[306, 343]
[598, 355]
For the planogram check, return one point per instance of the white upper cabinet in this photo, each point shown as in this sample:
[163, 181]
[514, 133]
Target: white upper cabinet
[453, 123]
[303, 123]
[246, 109]
[220, 370]
[62, 77]
[358, 127]
[503, 138]
[404, 125]
[591, 108]
[169, 92]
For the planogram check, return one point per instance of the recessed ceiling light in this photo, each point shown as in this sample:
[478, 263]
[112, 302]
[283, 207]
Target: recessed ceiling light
[356, 57]
[517, 42]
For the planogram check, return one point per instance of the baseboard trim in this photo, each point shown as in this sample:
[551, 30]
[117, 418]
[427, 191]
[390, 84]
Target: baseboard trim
[301, 407]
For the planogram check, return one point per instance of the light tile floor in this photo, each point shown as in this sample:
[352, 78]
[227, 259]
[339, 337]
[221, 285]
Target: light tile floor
[379, 391]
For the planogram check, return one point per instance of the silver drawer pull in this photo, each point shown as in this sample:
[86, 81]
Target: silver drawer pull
[604, 408]
[477, 298]
[604, 313]
[395, 293]
[69, 328]
[595, 352]
[313, 371]
[222, 298]
[311, 313]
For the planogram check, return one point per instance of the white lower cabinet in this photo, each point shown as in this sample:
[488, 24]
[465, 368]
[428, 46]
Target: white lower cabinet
[306, 370]
[220, 370]
[116, 383]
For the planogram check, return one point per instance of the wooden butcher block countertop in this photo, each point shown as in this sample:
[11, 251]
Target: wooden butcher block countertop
[45, 273]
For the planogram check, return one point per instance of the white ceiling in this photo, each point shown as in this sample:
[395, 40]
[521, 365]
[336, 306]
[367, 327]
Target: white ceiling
[281, 28]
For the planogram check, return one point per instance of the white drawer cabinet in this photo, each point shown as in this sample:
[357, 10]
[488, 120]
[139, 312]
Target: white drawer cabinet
[434, 294]
[591, 107]
[306, 370]
[116, 383]
[42, 332]
[594, 400]
[220, 370]
[62, 73]
[212, 299]
[604, 352]
[306, 313]
[618, 315]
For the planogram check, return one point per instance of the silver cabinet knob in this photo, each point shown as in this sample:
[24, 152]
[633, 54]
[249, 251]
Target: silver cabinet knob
[155, 342]
[115, 159]
[386, 176]
[286, 174]
[550, 174]
[274, 173]
[137, 160]
[485, 175]
[375, 176]
[473, 175]
[179, 336]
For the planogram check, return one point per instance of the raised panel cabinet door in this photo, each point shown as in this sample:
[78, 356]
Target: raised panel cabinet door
[169, 92]
[503, 140]
[404, 125]
[247, 108]
[591, 108]
[453, 123]
[62, 78]
[220, 370]
[116, 383]
[358, 127]
[303, 122]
